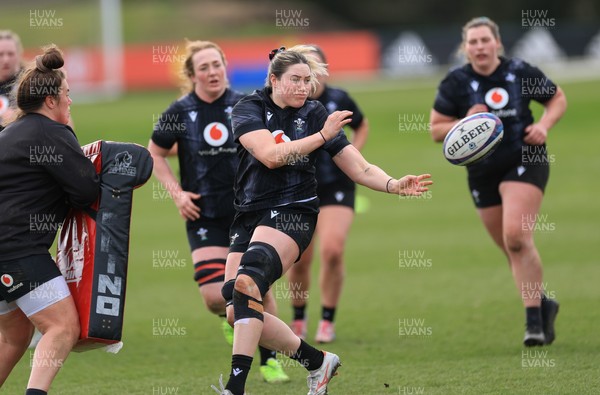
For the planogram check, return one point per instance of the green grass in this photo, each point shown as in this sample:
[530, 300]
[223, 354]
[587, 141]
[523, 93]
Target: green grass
[471, 310]
[77, 23]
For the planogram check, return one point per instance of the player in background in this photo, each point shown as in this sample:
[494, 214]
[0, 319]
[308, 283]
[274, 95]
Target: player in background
[199, 123]
[336, 204]
[38, 184]
[279, 130]
[507, 187]
[11, 52]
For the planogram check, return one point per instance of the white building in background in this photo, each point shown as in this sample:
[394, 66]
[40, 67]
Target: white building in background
[537, 46]
[408, 55]
[592, 50]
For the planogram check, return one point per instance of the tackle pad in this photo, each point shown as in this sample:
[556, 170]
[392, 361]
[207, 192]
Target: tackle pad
[93, 246]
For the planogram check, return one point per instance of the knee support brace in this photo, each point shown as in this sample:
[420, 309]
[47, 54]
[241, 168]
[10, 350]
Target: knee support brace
[261, 263]
[227, 291]
[209, 271]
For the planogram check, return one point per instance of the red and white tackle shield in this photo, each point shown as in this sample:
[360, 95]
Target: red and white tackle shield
[93, 246]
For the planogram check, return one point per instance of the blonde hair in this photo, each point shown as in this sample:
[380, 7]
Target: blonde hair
[476, 22]
[10, 35]
[319, 51]
[187, 70]
[298, 54]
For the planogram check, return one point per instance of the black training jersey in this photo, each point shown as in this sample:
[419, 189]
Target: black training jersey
[207, 153]
[256, 186]
[335, 99]
[42, 172]
[507, 93]
[6, 87]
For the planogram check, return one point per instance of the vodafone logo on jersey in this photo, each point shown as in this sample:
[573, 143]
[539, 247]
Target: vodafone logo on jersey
[216, 134]
[3, 104]
[496, 98]
[280, 137]
[7, 280]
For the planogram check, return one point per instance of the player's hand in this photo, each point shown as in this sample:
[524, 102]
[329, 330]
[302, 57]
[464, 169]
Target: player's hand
[411, 185]
[477, 108]
[335, 121]
[184, 201]
[535, 134]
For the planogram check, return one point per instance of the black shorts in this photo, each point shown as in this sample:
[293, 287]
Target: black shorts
[208, 232]
[297, 220]
[336, 194]
[20, 276]
[484, 187]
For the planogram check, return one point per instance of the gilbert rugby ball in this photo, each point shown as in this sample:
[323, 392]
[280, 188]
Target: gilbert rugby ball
[473, 138]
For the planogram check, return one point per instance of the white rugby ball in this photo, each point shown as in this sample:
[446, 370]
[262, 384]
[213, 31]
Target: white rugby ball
[473, 138]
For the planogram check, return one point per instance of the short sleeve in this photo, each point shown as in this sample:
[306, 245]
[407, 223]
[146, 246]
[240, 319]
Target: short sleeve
[445, 102]
[336, 144]
[535, 85]
[357, 115]
[168, 126]
[247, 117]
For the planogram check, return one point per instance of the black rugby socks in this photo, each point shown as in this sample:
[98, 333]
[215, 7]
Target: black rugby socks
[328, 313]
[308, 356]
[534, 317]
[265, 354]
[299, 312]
[240, 367]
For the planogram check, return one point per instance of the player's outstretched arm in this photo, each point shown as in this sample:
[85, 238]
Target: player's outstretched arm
[351, 162]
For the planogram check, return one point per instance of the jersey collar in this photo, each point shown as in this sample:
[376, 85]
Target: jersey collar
[501, 66]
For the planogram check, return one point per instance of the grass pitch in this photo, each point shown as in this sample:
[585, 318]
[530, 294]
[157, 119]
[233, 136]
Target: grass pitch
[429, 306]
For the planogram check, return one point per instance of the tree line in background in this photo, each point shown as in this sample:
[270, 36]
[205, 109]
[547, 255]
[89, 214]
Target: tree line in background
[390, 13]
